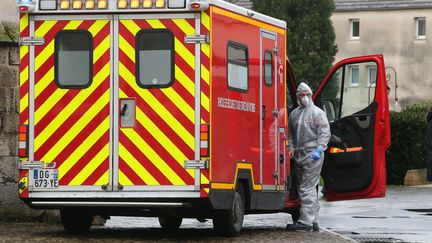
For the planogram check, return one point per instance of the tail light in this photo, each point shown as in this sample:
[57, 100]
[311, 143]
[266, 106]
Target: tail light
[205, 140]
[23, 141]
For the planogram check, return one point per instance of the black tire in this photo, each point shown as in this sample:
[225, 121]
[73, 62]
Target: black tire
[229, 222]
[170, 223]
[295, 215]
[76, 220]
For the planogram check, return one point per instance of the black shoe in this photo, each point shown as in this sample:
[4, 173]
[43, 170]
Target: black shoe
[315, 227]
[299, 227]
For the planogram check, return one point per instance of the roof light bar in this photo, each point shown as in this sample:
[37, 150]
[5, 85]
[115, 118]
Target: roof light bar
[160, 4]
[102, 4]
[147, 4]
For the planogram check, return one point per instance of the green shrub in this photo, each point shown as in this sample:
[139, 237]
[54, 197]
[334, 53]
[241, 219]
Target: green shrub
[408, 148]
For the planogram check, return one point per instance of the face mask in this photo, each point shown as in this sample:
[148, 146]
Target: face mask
[304, 101]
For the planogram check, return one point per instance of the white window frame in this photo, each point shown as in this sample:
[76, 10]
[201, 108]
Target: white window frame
[369, 68]
[352, 21]
[417, 20]
[350, 68]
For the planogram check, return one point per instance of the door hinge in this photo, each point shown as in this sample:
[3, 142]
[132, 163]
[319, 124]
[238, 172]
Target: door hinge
[276, 50]
[276, 113]
[196, 164]
[31, 41]
[197, 39]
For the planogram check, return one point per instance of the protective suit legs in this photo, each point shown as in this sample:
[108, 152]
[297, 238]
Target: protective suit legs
[308, 174]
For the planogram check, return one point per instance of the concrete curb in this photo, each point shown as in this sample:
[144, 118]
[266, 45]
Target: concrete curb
[337, 234]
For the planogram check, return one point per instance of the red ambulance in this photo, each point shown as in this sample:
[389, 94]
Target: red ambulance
[178, 109]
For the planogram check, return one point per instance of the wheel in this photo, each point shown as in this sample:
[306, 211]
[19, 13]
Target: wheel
[170, 223]
[229, 222]
[76, 220]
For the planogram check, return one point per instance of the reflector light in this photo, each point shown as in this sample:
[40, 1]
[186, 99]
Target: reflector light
[160, 3]
[77, 4]
[22, 141]
[148, 4]
[176, 3]
[135, 3]
[204, 140]
[195, 5]
[64, 4]
[102, 4]
[89, 4]
[23, 9]
[122, 4]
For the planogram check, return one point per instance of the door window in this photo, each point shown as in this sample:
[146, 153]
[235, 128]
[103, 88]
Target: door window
[237, 67]
[155, 58]
[73, 59]
[341, 98]
[268, 68]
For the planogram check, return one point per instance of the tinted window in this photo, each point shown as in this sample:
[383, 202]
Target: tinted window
[73, 59]
[268, 68]
[238, 68]
[155, 58]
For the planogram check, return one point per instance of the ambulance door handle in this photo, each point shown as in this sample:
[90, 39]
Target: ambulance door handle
[263, 112]
[123, 110]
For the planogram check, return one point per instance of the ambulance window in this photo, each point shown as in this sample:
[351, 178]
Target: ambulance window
[73, 59]
[155, 58]
[268, 68]
[237, 67]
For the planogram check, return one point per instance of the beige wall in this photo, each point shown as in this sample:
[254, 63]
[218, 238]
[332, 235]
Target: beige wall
[8, 11]
[392, 33]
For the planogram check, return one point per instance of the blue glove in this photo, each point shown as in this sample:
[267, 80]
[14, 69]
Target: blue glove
[316, 155]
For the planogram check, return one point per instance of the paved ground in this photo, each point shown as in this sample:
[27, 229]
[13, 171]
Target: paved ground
[404, 215]
[121, 229]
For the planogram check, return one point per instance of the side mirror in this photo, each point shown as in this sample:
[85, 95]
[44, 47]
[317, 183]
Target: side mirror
[330, 109]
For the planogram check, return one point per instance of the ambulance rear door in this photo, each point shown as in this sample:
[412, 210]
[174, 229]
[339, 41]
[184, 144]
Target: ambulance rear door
[157, 112]
[354, 97]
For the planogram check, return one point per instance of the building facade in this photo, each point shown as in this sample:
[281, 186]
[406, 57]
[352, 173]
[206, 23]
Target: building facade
[399, 29]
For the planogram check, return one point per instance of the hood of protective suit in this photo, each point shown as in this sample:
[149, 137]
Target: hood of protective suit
[304, 101]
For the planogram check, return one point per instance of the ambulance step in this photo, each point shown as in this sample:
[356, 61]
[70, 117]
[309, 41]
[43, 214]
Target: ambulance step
[111, 204]
[31, 41]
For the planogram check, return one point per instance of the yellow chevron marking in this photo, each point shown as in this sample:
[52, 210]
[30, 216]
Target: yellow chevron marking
[97, 26]
[181, 50]
[124, 180]
[104, 179]
[184, 80]
[205, 102]
[131, 26]
[205, 74]
[24, 22]
[44, 82]
[73, 25]
[97, 160]
[43, 56]
[181, 104]
[154, 158]
[159, 108]
[101, 49]
[24, 103]
[142, 172]
[184, 26]
[204, 179]
[59, 93]
[82, 148]
[24, 75]
[127, 48]
[207, 190]
[74, 130]
[23, 51]
[205, 20]
[205, 48]
[45, 27]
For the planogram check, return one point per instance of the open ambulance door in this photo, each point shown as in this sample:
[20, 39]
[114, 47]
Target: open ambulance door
[354, 97]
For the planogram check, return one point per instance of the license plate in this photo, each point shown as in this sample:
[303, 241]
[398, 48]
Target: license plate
[45, 179]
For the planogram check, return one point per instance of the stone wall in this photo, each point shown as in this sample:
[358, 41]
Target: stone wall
[11, 208]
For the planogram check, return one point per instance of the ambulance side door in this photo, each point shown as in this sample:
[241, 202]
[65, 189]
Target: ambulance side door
[354, 97]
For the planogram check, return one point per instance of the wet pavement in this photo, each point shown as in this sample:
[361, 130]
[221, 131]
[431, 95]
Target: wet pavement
[262, 228]
[404, 215]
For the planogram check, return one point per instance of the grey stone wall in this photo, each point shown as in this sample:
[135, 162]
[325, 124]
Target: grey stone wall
[11, 208]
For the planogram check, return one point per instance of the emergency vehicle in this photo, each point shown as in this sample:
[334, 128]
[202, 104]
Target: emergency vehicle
[178, 109]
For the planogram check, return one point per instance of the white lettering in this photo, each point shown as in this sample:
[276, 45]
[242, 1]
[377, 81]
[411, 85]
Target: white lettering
[236, 104]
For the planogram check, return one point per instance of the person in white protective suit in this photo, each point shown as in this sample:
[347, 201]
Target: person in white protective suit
[309, 133]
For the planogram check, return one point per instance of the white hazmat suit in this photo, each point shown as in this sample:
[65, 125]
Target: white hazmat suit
[309, 133]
